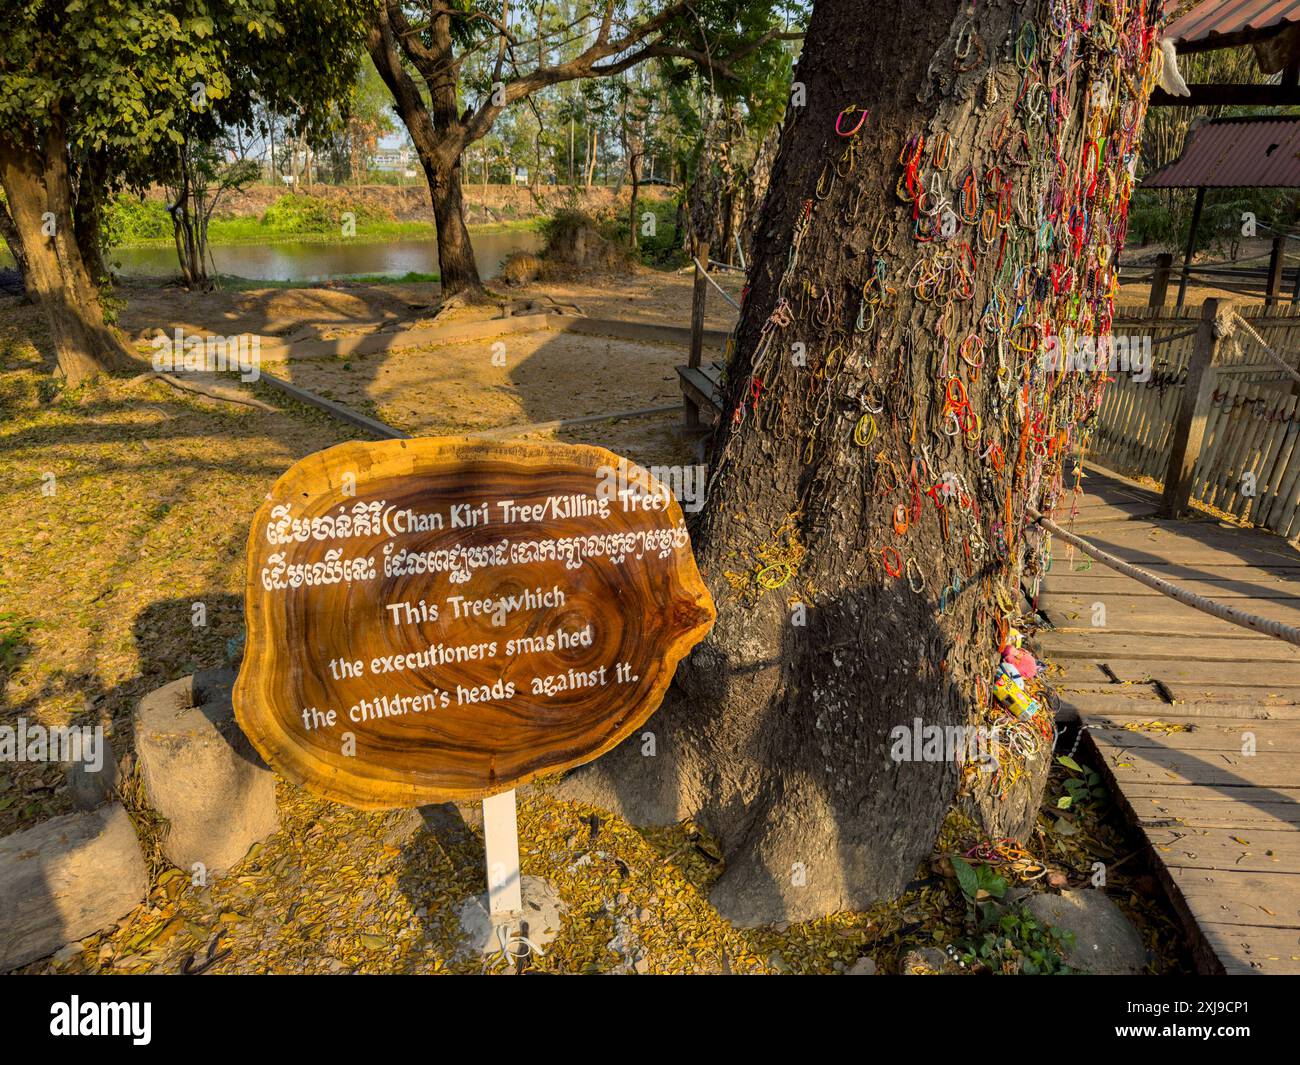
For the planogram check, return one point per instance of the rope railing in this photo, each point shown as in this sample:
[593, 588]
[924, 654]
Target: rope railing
[1273, 355]
[725, 294]
[1276, 629]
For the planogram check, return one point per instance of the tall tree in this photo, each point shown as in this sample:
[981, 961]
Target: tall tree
[108, 90]
[435, 38]
[940, 208]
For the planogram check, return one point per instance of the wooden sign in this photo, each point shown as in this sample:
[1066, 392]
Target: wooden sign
[445, 619]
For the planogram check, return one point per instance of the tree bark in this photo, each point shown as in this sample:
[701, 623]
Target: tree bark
[457, 268]
[836, 436]
[10, 234]
[39, 191]
[439, 138]
[88, 216]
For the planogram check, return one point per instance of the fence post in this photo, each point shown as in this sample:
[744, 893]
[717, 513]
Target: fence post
[1275, 263]
[1189, 426]
[1191, 246]
[699, 297]
[1160, 280]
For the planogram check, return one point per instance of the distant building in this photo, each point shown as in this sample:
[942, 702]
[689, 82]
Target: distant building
[395, 160]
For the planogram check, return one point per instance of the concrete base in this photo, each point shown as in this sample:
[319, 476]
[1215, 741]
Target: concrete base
[540, 922]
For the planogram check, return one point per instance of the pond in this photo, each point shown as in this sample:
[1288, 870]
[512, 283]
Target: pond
[305, 261]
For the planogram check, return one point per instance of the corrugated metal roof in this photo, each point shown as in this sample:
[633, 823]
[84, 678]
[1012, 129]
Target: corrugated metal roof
[1220, 23]
[1235, 153]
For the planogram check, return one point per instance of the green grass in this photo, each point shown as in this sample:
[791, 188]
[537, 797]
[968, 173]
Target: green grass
[134, 223]
[235, 283]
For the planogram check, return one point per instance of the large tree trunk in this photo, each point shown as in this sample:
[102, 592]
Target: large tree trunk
[457, 268]
[778, 736]
[39, 191]
[439, 138]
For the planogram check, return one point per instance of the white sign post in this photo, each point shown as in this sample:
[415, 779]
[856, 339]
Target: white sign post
[501, 839]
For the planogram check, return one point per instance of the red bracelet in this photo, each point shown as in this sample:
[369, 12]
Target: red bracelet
[896, 570]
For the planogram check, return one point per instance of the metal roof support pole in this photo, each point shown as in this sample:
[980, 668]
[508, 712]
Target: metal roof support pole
[1273, 294]
[1191, 245]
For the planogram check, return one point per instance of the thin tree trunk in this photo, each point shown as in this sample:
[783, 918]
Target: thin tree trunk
[634, 237]
[834, 478]
[10, 234]
[39, 190]
[88, 216]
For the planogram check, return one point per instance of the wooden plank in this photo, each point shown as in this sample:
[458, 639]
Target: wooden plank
[1262, 900]
[1261, 696]
[1194, 531]
[1126, 703]
[1196, 673]
[1281, 479]
[698, 386]
[1271, 463]
[1206, 734]
[1223, 824]
[1102, 645]
[1202, 769]
[1256, 851]
[1265, 575]
[1179, 555]
[1262, 810]
[1194, 405]
[1254, 585]
[1093, 706]
[1142, 613]
[1194, 625]
[1254, 951]
[1111, 495]
[1097, 512]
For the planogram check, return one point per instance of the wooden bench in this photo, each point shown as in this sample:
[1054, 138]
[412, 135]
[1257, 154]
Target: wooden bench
[701, 391]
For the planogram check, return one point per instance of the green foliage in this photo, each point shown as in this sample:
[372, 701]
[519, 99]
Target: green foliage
[978, 882]
[1003, 938]
[1010, 942]
[311, 214]
[134, 220]
[1082, 787]
[664, 247]
[135, 78]
[1157, 216]
[560, 227]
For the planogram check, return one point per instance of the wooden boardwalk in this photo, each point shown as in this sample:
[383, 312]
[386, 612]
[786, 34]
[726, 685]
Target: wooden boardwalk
[1219, 803]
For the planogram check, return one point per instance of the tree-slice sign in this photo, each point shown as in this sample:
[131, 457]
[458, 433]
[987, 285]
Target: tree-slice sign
[444, 619]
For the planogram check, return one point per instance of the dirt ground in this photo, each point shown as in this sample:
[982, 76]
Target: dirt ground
[153, 492]
[448, 389]
[340, 306]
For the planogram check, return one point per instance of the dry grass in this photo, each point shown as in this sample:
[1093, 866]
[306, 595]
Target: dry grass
[98, 587]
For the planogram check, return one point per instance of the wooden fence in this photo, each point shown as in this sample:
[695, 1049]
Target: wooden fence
[1241, 423]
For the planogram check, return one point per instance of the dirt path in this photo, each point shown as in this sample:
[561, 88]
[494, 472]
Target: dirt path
[342, 306]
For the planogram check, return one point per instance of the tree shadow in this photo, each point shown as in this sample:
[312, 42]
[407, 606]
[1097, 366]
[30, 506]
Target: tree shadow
[817, 816]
